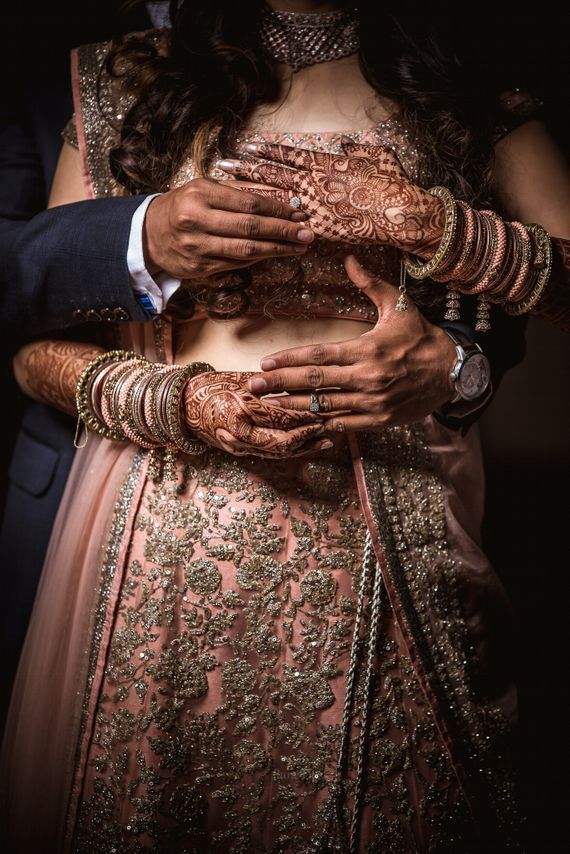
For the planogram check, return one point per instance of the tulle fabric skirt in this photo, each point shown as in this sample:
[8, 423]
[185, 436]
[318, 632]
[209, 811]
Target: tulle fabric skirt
[183, 682]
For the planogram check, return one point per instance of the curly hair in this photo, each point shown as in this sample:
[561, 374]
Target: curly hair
[210, 73]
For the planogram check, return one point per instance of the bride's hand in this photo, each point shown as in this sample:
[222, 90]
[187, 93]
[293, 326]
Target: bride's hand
[360, 196]
[221, 410]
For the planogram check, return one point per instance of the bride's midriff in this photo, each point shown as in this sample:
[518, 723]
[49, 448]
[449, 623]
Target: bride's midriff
[316, 101]
[241, 343]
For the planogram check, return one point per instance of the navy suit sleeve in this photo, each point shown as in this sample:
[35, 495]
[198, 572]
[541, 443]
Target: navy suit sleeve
[63, 266]
[68, 265]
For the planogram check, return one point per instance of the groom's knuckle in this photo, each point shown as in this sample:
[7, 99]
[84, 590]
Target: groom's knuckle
[317, 354]
[374, 349]
[315, 377]
[250, 226]
[355, 376]
[247, 249]
[377, 380]
[250, 204]
[285, 232]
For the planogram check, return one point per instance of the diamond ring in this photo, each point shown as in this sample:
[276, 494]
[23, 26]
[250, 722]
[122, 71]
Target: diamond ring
[314, 405]
[295, 202]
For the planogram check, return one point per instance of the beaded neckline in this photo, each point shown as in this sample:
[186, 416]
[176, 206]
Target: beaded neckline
[316, 284]
[386, 123]
[391, 132]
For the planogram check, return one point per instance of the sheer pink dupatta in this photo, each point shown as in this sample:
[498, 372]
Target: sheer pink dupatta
[46, 713]
[62, 663]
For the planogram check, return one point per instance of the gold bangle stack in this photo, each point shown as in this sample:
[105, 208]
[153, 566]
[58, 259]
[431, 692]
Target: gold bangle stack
[481, 255]
[421, 270]
[182, 442]
[82, 389]
[542, 261]
[122, 396]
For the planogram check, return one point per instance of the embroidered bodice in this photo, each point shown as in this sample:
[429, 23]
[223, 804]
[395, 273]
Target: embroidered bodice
[315, 283]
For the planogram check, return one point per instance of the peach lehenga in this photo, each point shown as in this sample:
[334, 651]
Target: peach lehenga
[183, 686]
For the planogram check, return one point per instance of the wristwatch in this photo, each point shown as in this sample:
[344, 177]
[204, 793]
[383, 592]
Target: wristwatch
[471, 373]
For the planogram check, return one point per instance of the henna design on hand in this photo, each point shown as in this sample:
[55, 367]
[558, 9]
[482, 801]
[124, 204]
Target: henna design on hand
[50, 370]
[220, 409]
[360, 196]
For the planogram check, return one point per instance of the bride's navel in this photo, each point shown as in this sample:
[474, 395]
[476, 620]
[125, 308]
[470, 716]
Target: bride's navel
[240, 344]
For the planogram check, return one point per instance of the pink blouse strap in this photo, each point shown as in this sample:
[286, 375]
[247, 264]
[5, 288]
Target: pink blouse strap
[100, 103]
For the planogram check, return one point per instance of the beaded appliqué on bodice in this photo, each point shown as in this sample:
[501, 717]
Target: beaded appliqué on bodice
[316, 283]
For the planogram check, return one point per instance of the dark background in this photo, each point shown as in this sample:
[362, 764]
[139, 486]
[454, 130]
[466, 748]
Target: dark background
[526, 442]
[526, 432]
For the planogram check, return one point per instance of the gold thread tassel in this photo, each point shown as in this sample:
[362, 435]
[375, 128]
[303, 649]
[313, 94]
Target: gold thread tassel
[402, 303]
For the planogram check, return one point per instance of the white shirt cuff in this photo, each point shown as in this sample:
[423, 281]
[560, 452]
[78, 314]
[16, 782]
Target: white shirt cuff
[152, 292]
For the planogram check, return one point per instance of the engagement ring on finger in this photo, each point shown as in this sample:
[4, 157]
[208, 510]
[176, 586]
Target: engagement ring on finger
[314, 405]
[295, 202]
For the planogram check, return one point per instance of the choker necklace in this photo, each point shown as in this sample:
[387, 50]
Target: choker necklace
[305, 38]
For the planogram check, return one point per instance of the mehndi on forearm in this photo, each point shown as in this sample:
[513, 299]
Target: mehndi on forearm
[48, 371]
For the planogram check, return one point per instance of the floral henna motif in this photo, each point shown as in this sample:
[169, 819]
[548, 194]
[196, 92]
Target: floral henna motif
[220, 409]
[360, 196]
[268, 192]
[52, 368]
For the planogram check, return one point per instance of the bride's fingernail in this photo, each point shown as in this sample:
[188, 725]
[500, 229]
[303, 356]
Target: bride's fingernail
[225, 164]
[272, 402]
[268, 364]
[251, 146]
[256, 385]
[323, 446]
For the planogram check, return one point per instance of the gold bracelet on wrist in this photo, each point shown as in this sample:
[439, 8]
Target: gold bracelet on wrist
[421, 270]
[543, 261]
[82, 402]
[183, 443]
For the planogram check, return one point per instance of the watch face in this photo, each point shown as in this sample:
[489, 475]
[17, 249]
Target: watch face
[474, 376]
